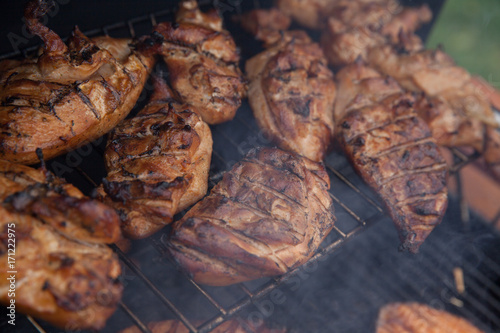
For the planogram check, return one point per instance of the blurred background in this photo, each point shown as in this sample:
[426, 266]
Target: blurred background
[469, 32]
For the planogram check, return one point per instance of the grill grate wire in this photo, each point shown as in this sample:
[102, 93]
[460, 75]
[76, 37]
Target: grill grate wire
[343, 236]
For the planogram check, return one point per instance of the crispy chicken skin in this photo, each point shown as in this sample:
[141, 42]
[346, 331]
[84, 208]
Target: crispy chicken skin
[230, 326]
[292, 94]
[66, 275]
[157, 163]
[354, 27]
[392, 149]
[458, 113]
[70, 95]
[419, 318]
[202, 60]
[265, 24]
[267, 216]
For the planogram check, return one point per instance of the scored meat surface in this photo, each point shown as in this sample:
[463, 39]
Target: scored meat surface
[65, 274]
[158, 163]
[354, 27]
[292, 94]
[457, 112]
[419, 318]
[464, 108]
[70, 95]
[391, 147]
[267, 216]
[202, 61]
[230, 326]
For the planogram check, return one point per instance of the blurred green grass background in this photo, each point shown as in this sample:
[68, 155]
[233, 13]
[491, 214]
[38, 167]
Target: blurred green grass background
[469, 31]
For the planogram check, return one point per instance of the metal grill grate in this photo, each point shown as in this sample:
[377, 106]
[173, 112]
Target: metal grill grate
[234, 143]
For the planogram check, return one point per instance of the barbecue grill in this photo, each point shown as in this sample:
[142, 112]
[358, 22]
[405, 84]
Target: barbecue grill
[356, 271]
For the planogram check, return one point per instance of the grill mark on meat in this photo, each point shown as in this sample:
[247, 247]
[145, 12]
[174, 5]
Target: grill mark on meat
[7, 81]
[346, 125]
[254, 161]
[274, 192]
[111, 89]
[183, 47]
[257, 211]
[252, 241]
[396, 148]
[437, 167]
[266, 188]
[153, 153]
[325, 209]
[201, 255]
[421, 198]
[85, 99]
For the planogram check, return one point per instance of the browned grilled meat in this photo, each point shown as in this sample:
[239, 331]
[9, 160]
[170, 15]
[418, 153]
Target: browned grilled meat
[69, 95]
[458, 113]
[354, 27]
[265, 24]
[419, 318]
[391, 147]
[292, 94]
[311, 14]
[65, 274]
[230, 326]
[202, 60]
[157, 164]
[267, 216]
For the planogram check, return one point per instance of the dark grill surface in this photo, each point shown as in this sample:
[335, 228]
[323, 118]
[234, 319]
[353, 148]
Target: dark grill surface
[357, 270]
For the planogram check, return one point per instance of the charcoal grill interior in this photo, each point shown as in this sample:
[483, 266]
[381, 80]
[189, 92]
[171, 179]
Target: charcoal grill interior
[356, 271]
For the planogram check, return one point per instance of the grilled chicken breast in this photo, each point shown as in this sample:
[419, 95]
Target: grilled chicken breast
[267, 216]
[64, 272]
[292, 94]
[157, 163]
[458, 113]
[202, 60]
[354, 27]
[230, 326]
[419, 318]
[70, 95]
[392, 148]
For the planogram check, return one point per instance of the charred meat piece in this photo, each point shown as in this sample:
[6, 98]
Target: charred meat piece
[419, 318]
[267, 216]
[354, 27]
[391, 147]
[71, 94]
[458, 113]
[202, 60]
[157, 164]
[230, 326]
[66, 275]
[292, 94]
[265, 24]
